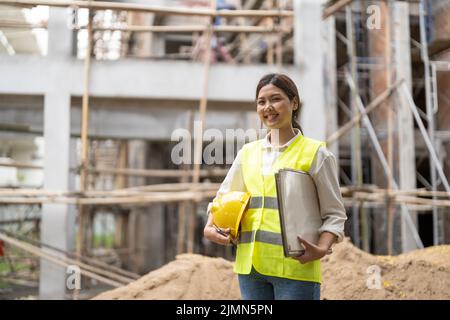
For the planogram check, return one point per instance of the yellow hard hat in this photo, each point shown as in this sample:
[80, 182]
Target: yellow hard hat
[228, 208]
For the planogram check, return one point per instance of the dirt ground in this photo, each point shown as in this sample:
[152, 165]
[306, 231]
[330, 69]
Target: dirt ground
[348, 273]
[421, 274]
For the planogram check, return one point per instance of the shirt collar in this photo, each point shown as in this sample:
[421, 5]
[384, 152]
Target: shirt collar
[267, 145]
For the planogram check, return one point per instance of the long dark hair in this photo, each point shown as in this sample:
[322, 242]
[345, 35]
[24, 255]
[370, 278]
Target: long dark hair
[288, 86]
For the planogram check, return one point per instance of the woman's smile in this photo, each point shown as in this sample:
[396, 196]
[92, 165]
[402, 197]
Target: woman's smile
[271, 118]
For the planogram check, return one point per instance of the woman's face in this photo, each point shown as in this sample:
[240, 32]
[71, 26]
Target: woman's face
[274, 108]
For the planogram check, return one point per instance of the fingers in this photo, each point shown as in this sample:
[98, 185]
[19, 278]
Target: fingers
[218, 236]
[224, 232]
[304, 258]
[224, 236]
[305, 243]
[310, 255]
[223, 240]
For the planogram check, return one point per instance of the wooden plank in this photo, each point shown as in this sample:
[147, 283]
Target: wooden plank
[192, 29]
[163, 173]
[269, 40]
[132, 242]
[62, 261]
[84, 139]
[161, 10]
[436, 47]
[181, 234]
[164, 197]
[142, 190]
[122, 162]
[85, 108]
[183, 207]
[20, 165]
[198, 147]
[328, 11]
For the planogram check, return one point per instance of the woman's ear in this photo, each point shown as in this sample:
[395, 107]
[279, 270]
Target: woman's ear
[295, 101]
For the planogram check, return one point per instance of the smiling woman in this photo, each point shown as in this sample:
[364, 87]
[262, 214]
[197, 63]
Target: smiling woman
[263, 270]
[278, 102]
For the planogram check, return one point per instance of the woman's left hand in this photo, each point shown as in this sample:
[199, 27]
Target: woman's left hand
[312, 251]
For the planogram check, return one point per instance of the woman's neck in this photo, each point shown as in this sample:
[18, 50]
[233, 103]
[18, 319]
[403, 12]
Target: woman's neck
[279, 137]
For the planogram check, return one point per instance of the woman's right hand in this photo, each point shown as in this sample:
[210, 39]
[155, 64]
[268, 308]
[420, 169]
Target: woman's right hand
[212, 234]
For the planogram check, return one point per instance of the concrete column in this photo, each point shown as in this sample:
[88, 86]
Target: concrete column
[57, 225]
[146, 224]
[308, 57]
[330, 81]
[151, 226]
[405, 124]
[379, 51]
[60, 42]
[142, 41]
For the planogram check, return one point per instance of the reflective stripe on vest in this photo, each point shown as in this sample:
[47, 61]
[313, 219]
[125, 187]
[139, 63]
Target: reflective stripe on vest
[269, 203]
[261, 236]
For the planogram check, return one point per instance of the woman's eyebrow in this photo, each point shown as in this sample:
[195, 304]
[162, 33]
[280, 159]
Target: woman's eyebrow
[271, 96]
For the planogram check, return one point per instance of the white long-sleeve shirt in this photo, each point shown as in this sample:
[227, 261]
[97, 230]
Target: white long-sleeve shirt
[323, 170]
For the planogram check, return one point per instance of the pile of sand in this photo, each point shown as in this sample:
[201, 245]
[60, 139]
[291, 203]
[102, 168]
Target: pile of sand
[422, 274]
[189, 277]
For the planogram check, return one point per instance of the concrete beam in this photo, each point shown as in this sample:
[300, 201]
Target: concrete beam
[135, 78]
[109, 118]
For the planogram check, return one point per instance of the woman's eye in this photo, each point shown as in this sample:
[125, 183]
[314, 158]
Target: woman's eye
[261, 103]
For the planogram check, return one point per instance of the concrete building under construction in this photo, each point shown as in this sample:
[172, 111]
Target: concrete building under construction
[94, 95]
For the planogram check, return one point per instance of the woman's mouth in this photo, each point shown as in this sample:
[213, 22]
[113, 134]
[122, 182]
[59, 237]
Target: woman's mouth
[271, 117]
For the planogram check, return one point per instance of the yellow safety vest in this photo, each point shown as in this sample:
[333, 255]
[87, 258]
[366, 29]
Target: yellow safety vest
[260, 241]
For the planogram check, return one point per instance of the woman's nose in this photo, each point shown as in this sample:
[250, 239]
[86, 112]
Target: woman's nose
[268, 106]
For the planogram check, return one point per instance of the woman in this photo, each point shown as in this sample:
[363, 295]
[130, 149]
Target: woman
[263, 271]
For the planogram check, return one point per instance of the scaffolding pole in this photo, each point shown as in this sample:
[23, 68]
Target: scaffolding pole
[358, 213]
[429, 108]
[432, 151]
[385, 165]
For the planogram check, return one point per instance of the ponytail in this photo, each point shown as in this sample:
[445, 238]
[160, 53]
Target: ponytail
[296, 125]
[295, 113]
